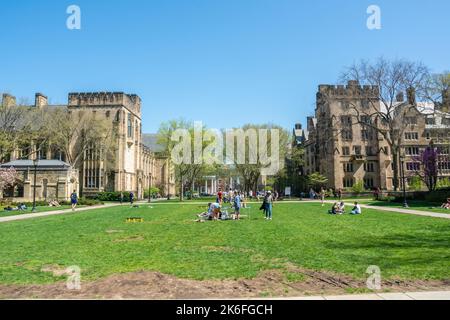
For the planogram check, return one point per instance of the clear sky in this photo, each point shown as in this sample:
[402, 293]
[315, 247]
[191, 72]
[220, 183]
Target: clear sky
[223, 62]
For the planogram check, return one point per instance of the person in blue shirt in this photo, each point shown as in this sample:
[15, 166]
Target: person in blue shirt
[237, 206]
[74, 200]
[131, 198]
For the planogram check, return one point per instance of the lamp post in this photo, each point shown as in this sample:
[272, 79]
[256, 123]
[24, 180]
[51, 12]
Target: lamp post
[149, 189]
[35, 164]
[168, 181]
[402, 169]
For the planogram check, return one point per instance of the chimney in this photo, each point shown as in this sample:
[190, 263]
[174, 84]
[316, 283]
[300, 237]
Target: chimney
[40, 100]
[8, 100]
[411, 93]
[353, 83]
[400, 97]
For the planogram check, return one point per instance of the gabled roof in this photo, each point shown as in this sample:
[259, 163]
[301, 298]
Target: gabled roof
[150, 140]
[42, 164]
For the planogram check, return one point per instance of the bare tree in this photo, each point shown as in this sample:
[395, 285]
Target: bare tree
[75, 133]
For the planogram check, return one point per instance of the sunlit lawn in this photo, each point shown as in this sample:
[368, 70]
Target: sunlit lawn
[169, 241]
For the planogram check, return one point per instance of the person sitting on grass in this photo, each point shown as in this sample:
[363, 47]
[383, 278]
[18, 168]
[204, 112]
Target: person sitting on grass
[22, 207]
[446, 205]
[341, 208]
[54, 203]
[213, 213]
[334, 208]
[356, 209]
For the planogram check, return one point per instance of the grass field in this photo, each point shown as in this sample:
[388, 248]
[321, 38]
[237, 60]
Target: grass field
[168, 241]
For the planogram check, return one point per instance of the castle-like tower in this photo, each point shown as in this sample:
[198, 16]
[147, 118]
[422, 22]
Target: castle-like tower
[340, 146]
[123, 112]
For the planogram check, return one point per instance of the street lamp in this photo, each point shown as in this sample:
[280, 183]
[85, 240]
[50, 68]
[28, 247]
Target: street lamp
[402, 171]
[149, 189]
[35, 164]
[168, 181]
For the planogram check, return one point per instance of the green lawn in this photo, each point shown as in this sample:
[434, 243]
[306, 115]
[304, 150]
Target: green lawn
[168, 241]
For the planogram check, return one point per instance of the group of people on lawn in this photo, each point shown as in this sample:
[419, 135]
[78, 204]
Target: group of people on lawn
[339, 208]
[237, 200]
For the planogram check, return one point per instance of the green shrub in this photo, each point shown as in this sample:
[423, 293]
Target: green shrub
[358, 187]
[153, 192]
[89, 202]
[111, 196]
[415, 184]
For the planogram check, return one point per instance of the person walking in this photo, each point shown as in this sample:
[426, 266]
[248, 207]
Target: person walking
[322, 196]
[269, 205]
[74, 200]
[131, 198]
[339, 194]
[237, 206]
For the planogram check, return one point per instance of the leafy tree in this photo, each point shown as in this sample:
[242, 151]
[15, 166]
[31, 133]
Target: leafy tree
[316, 180]
[249, 163]
[428, 166]
[8, 178]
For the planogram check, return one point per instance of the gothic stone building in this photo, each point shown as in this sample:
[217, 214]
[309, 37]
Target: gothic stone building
[346, 152]
[138, 163]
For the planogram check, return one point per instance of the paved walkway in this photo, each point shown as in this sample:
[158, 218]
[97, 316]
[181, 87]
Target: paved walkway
[400, 210]
[53, 213]
[434, 295]
[65, 211]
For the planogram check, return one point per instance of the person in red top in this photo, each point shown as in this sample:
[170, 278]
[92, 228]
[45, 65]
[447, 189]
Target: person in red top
[220, 196]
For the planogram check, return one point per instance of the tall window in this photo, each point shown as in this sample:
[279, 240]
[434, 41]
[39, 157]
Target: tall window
[348, 167]
[345, 151]
[368, 183]
[348, 182]
[130, 126]
[411, 136]
[369, 167]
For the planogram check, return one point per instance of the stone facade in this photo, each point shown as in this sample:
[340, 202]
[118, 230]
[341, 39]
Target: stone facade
[346, 151]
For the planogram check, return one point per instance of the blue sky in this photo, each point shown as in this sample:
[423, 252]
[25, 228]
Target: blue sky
[223, 62]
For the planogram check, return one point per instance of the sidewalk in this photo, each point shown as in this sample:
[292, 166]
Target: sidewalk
[52, 213]
[433, 295]
[398, 210]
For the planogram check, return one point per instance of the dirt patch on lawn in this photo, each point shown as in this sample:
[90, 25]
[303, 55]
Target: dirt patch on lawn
[154, 285]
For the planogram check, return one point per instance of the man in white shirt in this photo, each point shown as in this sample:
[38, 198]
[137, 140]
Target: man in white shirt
[356, 209]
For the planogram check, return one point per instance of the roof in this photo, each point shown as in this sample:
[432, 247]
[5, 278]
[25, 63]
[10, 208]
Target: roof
[42, 164]
[150, 140]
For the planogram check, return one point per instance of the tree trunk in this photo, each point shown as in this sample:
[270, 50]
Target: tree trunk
[395, 169]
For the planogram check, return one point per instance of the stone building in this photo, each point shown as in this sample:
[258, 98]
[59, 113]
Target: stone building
[346, 151]
[138, 163]
[54, 180]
